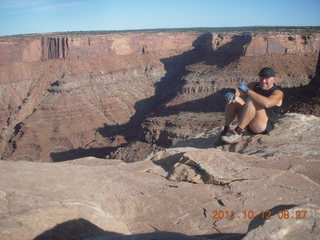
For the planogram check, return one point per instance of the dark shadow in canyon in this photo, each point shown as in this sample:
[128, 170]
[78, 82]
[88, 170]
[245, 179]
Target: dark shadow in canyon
[168, 88]
[165, 90]
[304, 99]
[80, 153]
[213, 103]
[229, 52]
[77, 229]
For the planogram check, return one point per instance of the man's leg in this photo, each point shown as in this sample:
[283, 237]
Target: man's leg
[233, 109]
[251, 115]
[254, 116]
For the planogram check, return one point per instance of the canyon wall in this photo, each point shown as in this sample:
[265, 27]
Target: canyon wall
[59, 91]
[69, 96]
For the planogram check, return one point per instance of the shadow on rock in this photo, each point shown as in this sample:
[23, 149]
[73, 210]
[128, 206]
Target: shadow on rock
[80, 153]
[200, 143]
[223, 236]
[162, 235]
[262, 217]
[78, 229]
[169, 162]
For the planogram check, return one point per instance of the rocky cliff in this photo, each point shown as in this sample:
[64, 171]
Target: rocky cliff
[268, 187]
[74, 86]
[70, 96]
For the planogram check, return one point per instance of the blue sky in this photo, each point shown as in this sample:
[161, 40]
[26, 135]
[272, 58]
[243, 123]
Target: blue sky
[42, 16]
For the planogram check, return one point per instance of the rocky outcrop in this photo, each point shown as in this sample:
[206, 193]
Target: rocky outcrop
[194, 189]
[263, 44]
[54, 48]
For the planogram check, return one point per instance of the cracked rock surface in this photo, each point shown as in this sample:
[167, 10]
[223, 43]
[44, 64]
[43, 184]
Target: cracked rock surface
[189, 191]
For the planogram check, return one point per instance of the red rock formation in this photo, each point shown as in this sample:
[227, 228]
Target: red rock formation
[262, 44]
[65, 93]
[54, 48]
[58, 91]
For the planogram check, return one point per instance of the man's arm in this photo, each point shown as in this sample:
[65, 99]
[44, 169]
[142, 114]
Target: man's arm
[239, 93]
[266, 102]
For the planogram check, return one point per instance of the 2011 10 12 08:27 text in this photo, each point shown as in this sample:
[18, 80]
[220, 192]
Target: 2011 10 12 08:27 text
[250, 214]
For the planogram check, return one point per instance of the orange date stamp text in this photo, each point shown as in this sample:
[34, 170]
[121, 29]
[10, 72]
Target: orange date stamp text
[250, 214]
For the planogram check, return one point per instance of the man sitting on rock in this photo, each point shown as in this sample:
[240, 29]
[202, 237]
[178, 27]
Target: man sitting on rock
[258, 112]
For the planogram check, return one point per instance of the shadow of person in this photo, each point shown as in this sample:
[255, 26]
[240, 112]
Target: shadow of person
[77, 229]
[81, 229]
[165, 235]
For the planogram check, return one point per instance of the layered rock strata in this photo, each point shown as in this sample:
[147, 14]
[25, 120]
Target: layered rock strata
[59, 97]
[69, 96]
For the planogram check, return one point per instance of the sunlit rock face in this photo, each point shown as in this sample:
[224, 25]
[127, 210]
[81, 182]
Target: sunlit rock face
[59, 91]
[186, 189]
[69, 96]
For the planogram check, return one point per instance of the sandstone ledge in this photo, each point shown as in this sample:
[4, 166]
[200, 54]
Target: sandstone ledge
[172, 191]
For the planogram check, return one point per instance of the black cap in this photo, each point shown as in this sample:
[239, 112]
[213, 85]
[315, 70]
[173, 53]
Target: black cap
[267, 72]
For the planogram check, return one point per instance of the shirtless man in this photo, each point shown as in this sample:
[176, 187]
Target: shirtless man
[258, 113]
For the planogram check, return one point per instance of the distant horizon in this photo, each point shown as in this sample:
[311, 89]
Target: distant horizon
[245, 28]
[20, 17]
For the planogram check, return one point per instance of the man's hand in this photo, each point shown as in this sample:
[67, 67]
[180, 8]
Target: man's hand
[230, 96]
[243, 87]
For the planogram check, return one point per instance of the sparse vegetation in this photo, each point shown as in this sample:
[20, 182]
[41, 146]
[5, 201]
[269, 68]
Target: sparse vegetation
[257, 29]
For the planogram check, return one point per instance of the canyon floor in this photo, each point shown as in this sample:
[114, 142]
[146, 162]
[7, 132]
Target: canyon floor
[192, 190]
